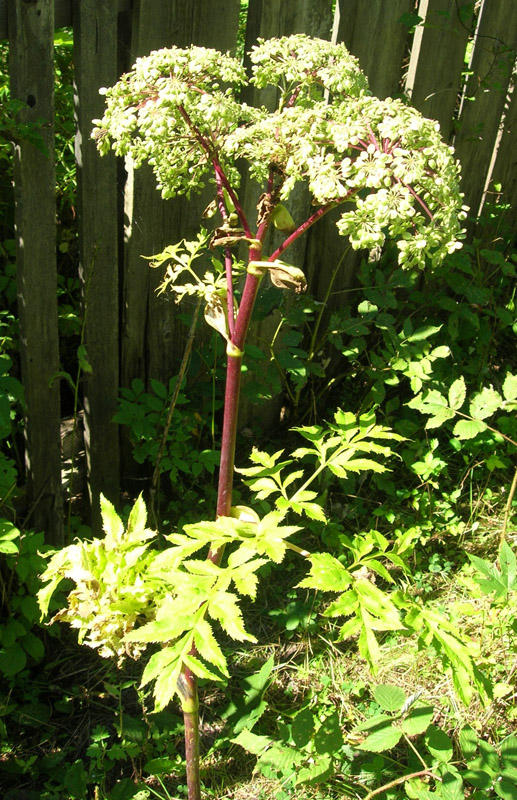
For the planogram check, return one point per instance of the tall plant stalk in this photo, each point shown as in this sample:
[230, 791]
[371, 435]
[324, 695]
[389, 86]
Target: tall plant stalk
[179, 110]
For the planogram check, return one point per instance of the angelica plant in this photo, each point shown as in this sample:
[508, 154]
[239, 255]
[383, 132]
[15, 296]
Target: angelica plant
[392, 177]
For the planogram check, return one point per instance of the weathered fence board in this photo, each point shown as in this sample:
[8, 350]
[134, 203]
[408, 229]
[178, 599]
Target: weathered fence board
[151, 334]
[505, 166]
[95, 56]
[437, 59]
[492, 66]
[358, 27]
[64, 11]
[31, 28]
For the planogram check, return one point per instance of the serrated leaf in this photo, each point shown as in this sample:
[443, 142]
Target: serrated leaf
[452, 785]
[510, 388]
[280, 757]
[137, 518]
[208, 647]
[199, 669]
[326, 574]
[329, 737]
[457, 394]
[321, 770]
[485, 403]
[439, 744]
[367, 643]
[468, 428]
[418, 720]
[378, 603]
[163, 659]
[302, 727]
[350, 628]
[165, 683]
[468, 740]
[384, 738]
[508, 751]
[111, 523]
[252, 743]
[505, 789]
[389, 696]
[225, 609]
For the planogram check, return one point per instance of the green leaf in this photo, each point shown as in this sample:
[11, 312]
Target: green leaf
[439, 744]
[199, 669]
[452, 785]
[208, 646]
[317, 772]
[252, 743]
[457, 394]
[508, 751]
[327, 574]
[510, 388]
[302, 727]
[378, 603]
[12, 660]
[389, 696]
[505, 789]
[329, 737]
[82, 358]
[384, 738]
[468, 740]
[164, 659]
[224, 608]
[508, 565]
[485, 403]
[111, 523]
[417, 720]
[479, 778]
[160, 765]
[468, 428]
[423, 333]
[33, 646]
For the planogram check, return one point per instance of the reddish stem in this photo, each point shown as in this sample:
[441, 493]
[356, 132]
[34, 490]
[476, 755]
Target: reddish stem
[416, 196]
[305, 227]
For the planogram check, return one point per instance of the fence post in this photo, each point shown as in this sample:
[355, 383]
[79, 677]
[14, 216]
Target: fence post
[95, 55]
[31, 33]
[152, 337]
[437, 60]
[492, 66]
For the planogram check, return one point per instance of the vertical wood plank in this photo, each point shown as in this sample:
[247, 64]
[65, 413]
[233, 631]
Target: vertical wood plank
[31, 32]
[152, 335]
[505, 166]
[377, 38]
[492, 67]
[95, 55]
[435, 68]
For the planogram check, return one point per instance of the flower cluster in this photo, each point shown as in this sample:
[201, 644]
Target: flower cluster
[307, 67]
[381, 160]
[174, 111]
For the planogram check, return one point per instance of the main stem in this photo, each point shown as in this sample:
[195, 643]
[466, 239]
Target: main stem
[187, 683]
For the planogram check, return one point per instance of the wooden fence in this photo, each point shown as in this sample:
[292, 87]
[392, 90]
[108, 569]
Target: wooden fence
[130, 332]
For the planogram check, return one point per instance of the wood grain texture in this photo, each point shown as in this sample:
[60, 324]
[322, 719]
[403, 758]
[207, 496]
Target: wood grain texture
[32, 82]
[492, 65]
[360, 25]
[434, 79]
[95, 56]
